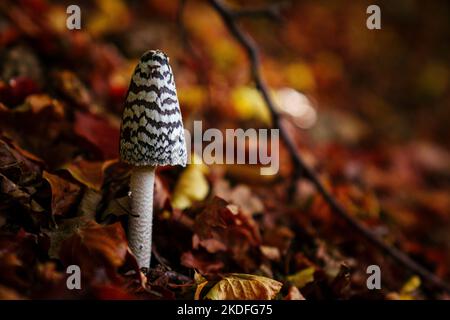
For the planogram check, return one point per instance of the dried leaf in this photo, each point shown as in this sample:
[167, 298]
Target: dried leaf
[64, 230]
[90, 173]
[220, 226]
[71, 86]
[16, 194]
[94, 246]
[98, 131]
[240, 195]
[201, 263]
[238, 286]
[198, 290]
[64, 193]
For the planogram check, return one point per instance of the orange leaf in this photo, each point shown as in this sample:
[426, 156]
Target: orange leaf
[89, 173]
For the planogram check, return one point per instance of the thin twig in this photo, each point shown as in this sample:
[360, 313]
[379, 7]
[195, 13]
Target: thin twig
[271, 11]
[180, 12]
[253, 54]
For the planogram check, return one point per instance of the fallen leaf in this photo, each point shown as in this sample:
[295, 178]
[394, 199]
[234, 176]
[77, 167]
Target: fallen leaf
[94, 246]
[191, 186]
[302, 278]
[219, 226]
[201, 283]
[240, 195]
[99, 132]
[248, 104]
[203, 264]
[64, 193]
[238, 286]
[71, 86]
[16, 194]
[89, 173]
[63, 231]
[18, 163]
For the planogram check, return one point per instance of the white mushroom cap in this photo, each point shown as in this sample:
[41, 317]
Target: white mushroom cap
[152, 132]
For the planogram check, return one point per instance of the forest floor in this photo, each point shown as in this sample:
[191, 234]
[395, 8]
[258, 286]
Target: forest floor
[373, 127]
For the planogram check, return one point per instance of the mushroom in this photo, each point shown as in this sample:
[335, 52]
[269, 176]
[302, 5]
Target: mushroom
[151, 135]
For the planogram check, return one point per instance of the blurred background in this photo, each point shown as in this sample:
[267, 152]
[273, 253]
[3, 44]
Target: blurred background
[368, 109]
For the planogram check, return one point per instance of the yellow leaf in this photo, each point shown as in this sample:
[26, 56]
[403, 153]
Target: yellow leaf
[411, 285]
[192, 186]
[249, 104]
[201, 283]
[238, 286]
[302, 278]
[199, 289]
[407, 291]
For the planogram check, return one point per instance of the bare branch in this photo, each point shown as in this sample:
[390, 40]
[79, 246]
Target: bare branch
[271, 11]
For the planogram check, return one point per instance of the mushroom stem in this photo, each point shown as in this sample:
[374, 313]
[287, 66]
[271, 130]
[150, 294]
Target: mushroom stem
[140, 220]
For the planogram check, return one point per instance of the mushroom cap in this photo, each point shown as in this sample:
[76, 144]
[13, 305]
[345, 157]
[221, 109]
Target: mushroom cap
[152, 132]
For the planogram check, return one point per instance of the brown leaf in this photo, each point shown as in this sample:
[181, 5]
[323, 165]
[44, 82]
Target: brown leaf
[99, 132]
[64, 193]
[9, 294]
[220, 226]
[238, 286]
[241, 195]
[66, 228]
[90, 173]
[71, 86]
[16, 163]
[17, 257]
[279, 237]
[200, 262]
[16, 194]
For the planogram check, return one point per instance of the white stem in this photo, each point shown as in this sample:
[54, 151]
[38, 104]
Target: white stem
[140, 220]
